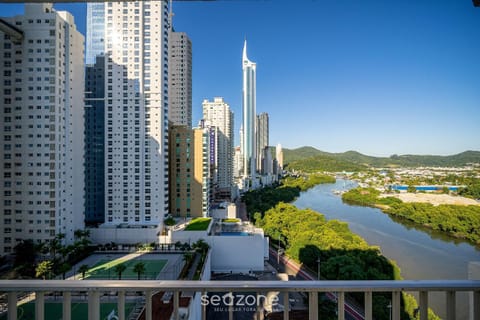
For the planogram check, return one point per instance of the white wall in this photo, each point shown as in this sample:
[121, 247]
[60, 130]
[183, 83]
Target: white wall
[123, 235]
[237, 253]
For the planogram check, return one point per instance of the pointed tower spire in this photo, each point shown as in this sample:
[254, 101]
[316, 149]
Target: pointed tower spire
[245, 51]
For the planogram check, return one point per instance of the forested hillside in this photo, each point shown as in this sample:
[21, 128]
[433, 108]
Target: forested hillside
[311, 158]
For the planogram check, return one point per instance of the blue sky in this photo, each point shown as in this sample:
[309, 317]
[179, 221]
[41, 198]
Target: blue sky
[379, 77]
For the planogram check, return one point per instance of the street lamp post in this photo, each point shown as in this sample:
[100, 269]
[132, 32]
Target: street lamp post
[278, 252]
[390, 310]
[318, 270]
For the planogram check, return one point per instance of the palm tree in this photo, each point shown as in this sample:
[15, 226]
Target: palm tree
[139, 268]
[187, 257]
[64, 267]
[83, 269]
[201, 246]
[44, 269]
[119, 268]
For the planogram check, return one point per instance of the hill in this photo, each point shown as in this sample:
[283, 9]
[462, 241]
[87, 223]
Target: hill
[309, 157]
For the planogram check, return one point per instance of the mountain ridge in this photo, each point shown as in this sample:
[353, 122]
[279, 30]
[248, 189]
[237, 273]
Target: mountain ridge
[296, 157]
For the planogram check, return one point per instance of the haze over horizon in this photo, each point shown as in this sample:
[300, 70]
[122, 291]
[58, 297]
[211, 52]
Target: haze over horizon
[369, 76]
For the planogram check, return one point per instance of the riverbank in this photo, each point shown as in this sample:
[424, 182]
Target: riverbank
[433, 199]
[307, 235]
[457, 221]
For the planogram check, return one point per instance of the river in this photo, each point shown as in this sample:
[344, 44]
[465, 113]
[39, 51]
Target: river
[419, 252]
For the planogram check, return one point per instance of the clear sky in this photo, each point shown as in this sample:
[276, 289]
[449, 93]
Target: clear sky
[380, 77]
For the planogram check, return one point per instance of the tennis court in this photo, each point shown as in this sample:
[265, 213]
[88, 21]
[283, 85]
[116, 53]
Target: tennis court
[53, 310]
[105, 269]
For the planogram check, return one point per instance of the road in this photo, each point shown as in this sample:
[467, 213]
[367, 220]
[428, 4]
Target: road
[291, 267]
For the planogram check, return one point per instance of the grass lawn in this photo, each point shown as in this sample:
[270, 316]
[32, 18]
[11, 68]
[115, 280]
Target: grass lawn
[105, 269]
[53, 311]
[231, 220]
[198, 224]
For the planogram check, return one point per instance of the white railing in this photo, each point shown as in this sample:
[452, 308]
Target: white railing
[94, 288]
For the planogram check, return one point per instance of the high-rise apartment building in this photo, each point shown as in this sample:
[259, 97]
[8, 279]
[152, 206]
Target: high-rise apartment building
[262, 139]
[136, 112]
[41, 91]
[279, 157]
[180, 79]
[237, 162]
[95, 42]
[189, 171]
[95, 142]
[249, 115]
[217, 114]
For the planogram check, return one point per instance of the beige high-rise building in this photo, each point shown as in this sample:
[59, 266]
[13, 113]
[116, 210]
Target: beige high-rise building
[189, 172]
[180, 79]
[41, 153]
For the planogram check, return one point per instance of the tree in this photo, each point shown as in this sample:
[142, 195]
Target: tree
[83, 270]
[64, 267]
[44, 269]
[187, 257]
[56, 244]
[411, 189]
[201, 246]
[119, 268]
[25, 253]
[139, 269]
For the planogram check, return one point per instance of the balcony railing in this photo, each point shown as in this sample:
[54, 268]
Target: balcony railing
[95, 288]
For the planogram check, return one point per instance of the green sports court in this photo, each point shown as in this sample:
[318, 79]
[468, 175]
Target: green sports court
[53, 310]
[105, 269]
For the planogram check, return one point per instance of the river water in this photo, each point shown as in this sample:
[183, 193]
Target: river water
[419, 252]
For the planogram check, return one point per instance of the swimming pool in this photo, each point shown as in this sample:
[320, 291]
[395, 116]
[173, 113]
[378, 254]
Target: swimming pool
[234, 233]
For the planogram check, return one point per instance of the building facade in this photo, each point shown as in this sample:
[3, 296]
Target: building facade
[279, 157]
[180, 79]
[42, 95]
[136, 112]
[249, 115]
[262, 139]
[189, 172]
[95, 142]
[217, 113]
[95, 42]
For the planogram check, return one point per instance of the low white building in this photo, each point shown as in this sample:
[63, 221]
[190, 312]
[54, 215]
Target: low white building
[236, 247]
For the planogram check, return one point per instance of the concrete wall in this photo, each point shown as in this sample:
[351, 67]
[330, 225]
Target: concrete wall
[123, 235]
[237, 253]
[188, 236]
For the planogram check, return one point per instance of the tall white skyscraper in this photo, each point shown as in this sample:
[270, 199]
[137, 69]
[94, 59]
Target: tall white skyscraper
[279, 156]
[180, 79]
[249, 115]
[217, 114]
[42, 112]
[136, 115]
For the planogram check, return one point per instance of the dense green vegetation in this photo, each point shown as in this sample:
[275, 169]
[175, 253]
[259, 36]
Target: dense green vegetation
[472, 190]
[198, 224]
[356, 158]
[323, 163]
[306, 236]
[259, 201]
[457, 221]
[61, 257]
[306, 182]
